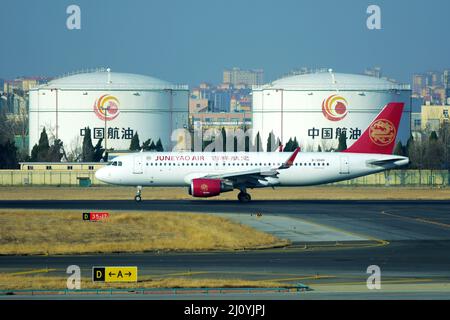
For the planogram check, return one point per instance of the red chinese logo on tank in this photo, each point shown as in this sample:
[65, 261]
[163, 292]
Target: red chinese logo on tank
[382, 132]
[107, 107]
[204, 187]
[334, 108]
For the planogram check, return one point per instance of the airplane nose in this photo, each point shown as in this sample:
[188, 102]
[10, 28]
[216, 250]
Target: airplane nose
[100, 174]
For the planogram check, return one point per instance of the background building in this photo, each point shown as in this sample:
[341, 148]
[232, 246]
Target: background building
[317, 108]
[113, 105]
[237, 77]
[433, 117]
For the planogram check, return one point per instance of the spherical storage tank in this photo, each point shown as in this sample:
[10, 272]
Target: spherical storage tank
[113, 105]
[316, 108]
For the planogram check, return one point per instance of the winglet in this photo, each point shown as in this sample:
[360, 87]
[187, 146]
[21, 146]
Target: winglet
[291, 159]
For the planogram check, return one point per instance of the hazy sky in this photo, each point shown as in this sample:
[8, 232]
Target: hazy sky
[190, 41]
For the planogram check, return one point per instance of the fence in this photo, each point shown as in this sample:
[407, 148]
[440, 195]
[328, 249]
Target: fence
[432, 178]
[72, 178]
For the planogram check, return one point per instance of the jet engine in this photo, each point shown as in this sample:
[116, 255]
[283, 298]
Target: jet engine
[204, 188]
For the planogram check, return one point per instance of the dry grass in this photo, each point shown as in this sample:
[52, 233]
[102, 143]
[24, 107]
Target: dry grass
[64, 232]
[298, 193]
[13, 282]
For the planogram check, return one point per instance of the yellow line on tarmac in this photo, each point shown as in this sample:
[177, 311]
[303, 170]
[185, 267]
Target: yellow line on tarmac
[302, 278]
[354, 234]
[418, 219]
[32, 272]
[411, 281]
[180, 274]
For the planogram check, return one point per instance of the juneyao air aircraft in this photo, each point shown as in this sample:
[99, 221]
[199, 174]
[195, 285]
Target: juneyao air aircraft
[207, 174]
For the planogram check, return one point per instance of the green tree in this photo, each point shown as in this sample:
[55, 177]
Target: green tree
[433, 136]
[224, 139]
[288, 146]
[270, 139]
[55, 152]
[258, 142]
[8, 155]
[294, 144]
[43, 147]
[146, 145]
[409, 145]
[87, 152]
[135, 145]
[399, 149]
[159, 147]
[98, 151]
[342, 141]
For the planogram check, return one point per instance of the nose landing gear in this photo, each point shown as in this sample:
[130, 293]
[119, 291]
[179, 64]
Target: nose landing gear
[138, 197]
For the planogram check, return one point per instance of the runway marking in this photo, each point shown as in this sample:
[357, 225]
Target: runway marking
[363, 282]
[381, 242]
[315, 277]
[418, 219]
[32, 272]
[189, 273]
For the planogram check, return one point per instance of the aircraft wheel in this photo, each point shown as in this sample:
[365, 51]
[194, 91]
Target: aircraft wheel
[244, 197]
[137, 198]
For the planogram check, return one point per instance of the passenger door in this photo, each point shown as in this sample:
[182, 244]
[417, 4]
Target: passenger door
[344, 165]
[138, 165]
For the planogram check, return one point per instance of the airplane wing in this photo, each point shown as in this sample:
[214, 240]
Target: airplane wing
[253, 176]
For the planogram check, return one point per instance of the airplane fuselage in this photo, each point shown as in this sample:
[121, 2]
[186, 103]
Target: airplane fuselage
[179, 169]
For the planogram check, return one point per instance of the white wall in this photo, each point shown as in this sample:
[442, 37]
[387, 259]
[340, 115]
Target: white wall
[302, 111]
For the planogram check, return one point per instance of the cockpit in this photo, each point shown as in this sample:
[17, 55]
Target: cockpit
[115, 163]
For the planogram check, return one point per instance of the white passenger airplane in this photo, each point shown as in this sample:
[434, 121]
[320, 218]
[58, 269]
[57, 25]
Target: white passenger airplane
[207, 174]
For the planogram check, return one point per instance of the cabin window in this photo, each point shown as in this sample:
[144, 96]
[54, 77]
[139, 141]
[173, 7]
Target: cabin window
[91, 167]
[48, 167]
[30, 167]
[69, 167]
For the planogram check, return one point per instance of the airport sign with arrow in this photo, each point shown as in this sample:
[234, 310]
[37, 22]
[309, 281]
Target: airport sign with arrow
[114, 274]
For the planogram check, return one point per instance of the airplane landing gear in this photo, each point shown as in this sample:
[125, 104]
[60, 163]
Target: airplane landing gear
[244, 197]
[138, 197]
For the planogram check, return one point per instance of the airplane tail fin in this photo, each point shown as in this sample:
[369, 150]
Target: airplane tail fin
[380, 136]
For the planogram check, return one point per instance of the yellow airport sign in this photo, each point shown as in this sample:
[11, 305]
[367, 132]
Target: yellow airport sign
[114, 274]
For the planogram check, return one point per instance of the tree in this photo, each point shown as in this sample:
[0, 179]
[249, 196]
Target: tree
[288, 146]
[134, 144]
[41, 150]
[55, 152]
[433, 136]
[8, 155]
[258, 142]
[342, 141]
[43, 147]
[88, 152]
[270, 141]
[399, 149]
[224, 139]
[159, 147]
[294, 144]
[98, 151]
[146, 146]
[409, 144]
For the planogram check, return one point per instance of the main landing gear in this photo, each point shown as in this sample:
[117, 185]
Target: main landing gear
[138, 197]
[243, 196]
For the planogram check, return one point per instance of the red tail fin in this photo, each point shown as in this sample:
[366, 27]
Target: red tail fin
[380, 136]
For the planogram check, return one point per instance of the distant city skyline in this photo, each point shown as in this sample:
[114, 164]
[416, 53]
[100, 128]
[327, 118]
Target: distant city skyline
[193, 41]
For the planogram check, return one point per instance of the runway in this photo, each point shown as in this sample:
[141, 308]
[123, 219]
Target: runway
[408, 240]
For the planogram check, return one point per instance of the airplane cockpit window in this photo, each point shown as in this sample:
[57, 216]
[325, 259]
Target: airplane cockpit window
[114, 163]
[119, 163]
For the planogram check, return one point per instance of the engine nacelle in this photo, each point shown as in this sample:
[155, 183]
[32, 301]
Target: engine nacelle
[204, 188]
